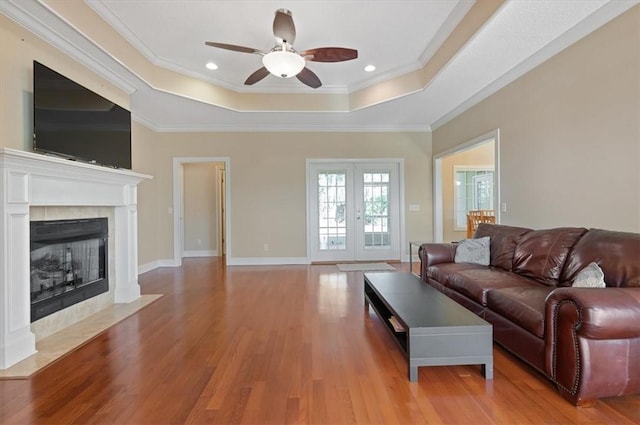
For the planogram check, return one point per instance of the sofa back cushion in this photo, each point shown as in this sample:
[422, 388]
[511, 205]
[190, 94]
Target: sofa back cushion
[504, 240]
[617, 254]
[541, 254]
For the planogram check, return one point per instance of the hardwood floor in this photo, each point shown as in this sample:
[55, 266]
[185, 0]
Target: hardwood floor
[275, 345]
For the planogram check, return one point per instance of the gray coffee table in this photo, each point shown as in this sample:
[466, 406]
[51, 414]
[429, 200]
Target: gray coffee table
[437, 330]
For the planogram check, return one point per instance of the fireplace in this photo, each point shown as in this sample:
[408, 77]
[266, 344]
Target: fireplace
[32, 181]
[69, 263]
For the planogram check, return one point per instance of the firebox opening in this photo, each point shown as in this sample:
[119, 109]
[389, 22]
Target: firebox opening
[69, 263]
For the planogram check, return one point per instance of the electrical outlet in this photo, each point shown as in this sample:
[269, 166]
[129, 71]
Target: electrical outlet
[265, 247]
[503, 207]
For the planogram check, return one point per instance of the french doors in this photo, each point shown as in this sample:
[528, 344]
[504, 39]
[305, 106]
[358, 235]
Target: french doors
[353, 211]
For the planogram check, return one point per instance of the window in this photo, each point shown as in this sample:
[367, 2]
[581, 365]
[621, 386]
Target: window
[473, 190]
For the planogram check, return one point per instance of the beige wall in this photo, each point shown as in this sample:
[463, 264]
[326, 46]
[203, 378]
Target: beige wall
[569, 134]
[570, 149]
[267, 175]
[481, 156]
[19, 48]
[200, 207]
[267, 200]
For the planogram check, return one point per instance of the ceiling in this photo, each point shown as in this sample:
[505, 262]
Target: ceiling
[434, 59]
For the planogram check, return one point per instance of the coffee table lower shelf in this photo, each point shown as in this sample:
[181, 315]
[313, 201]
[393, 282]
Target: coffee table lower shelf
[437, 331]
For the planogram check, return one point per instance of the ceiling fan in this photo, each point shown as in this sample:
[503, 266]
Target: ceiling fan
[283, 60]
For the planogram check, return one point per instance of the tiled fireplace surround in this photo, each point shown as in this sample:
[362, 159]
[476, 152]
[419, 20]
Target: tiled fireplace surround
[37, 187]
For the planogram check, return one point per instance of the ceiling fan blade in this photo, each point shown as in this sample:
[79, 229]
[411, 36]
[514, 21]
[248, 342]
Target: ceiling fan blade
[308, 77]
[234, 47]
[257, 76]
[283, 27]
[330, 54]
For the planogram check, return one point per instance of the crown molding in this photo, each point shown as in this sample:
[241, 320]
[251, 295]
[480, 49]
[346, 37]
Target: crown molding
[591, 23]
[408, 128]
[452, 21]
[43, 22]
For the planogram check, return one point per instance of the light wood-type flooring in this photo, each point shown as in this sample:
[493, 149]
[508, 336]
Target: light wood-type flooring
[275, 345]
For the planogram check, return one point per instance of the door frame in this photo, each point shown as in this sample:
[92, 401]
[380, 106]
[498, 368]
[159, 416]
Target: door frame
[178, 202]
[438, 205]
[401, 195]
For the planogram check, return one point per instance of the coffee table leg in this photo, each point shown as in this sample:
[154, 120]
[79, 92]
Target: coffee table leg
[487, 370]
[413, 373]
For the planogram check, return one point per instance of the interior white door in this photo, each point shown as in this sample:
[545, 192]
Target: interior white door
[354, 211]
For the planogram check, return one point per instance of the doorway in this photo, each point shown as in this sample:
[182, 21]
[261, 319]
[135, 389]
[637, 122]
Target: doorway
[353, 210]
[200, 208]
[466, 178]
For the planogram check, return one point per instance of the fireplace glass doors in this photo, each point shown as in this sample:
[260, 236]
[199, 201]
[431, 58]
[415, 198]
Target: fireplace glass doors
[69, 263]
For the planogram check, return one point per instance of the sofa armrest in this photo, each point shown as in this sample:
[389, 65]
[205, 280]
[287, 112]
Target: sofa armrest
[592, 342]
[435, 253]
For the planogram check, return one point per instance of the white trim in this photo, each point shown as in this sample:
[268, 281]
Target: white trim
[267, 128]
[438, 203]
[266, 261]
[144, 268]
[200, 253]
[178, 201]
[438, 207]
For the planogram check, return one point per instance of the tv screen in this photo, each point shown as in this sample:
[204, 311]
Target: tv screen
[73, 121]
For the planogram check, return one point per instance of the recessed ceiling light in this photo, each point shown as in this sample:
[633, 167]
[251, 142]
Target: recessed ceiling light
[370, 68]
[211, 65]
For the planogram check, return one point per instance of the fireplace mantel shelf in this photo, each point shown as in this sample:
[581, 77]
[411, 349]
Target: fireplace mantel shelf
[29, 179]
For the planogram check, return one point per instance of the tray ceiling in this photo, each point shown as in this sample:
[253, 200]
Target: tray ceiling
[433, 59]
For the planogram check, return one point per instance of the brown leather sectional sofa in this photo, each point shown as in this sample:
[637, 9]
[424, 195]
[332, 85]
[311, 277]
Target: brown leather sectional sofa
[585, 340]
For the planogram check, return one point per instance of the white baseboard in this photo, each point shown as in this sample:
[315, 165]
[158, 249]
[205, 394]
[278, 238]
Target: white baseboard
[200, 253]
[266, 261]
[156, 264]
[237, 261]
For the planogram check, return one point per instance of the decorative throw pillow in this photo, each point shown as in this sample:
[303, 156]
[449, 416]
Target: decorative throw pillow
[473, 251]
[591, 276]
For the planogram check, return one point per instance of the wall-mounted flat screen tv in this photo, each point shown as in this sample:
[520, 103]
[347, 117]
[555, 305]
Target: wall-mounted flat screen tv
[74, 122]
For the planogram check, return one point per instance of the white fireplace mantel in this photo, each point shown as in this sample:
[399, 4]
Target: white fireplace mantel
[29, 179]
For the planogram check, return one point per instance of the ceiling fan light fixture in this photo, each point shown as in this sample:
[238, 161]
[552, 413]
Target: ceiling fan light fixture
[283, 63]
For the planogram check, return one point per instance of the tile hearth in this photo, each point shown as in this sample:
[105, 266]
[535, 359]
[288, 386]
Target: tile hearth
[57, 345]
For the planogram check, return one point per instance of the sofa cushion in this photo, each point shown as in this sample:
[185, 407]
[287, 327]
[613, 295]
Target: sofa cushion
[541, 254]
[443, 272]
[473, 251]
[617, 254]
[590, 277]
[523, 306]
[504, 240]
[475, 283]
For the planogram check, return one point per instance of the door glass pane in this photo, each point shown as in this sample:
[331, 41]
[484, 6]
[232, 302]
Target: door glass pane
[376, 209]
[332, 225]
